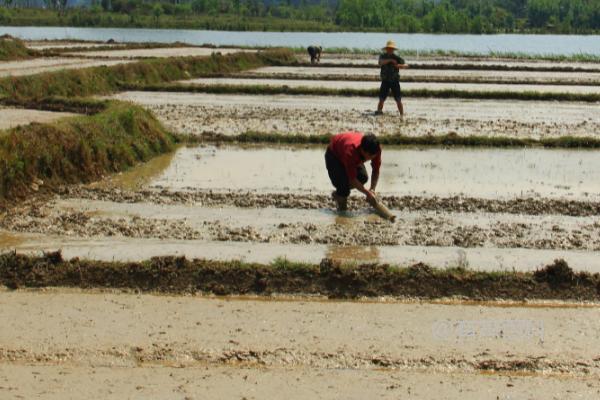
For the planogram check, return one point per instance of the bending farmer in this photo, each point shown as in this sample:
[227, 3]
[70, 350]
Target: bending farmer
[390, 65]
[315, 53]
[344, 158]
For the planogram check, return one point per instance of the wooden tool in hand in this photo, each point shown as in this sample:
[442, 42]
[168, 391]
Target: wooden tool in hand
[381, 209]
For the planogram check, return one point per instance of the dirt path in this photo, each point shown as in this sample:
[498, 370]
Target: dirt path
[159, 53]
[234, 114]
[11, 117]
[239, 346]
[38, 65]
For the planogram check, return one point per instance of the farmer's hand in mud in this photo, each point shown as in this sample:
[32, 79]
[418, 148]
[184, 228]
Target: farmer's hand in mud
[371, 196]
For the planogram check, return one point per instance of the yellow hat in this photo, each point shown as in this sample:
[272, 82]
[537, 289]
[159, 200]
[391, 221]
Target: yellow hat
[390, 45]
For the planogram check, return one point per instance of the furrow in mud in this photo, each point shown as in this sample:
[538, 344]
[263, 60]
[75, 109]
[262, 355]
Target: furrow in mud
[529, 206]
[422, 229]
[176, 354]
[234, 119]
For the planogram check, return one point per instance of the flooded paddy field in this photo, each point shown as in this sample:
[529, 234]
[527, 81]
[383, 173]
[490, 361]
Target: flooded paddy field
[194, 113]
[502, 212]
[374, 86]
[273, 202]
[483, 62]
[416, 74]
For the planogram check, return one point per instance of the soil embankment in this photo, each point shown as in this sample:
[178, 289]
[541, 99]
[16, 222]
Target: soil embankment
[332, 279]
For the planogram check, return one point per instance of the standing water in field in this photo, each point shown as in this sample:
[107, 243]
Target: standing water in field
[487, 173]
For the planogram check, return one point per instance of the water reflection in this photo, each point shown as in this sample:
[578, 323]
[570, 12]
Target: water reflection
[353, 253]
[139, 176]
[9, 241]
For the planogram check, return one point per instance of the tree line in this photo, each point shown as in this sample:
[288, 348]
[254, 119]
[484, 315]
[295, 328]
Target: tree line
[436, 16]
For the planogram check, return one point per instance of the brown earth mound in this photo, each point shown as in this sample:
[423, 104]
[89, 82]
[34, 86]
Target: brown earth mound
[330, 278]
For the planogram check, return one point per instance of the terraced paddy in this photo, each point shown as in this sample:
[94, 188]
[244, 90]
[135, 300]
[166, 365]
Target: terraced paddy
[237, 272]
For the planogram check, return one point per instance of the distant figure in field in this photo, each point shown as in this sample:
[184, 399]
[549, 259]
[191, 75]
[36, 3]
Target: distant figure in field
[390, 64]
[315, 53]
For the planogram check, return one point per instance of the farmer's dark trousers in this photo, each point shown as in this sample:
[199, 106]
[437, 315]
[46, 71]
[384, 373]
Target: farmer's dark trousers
[338, 176]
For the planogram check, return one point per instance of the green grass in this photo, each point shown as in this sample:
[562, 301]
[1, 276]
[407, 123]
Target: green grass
[79, 149]
[313, 91]
[449, 140]
[108, 79]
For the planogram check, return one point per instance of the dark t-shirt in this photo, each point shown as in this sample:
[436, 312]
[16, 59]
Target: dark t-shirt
[313, 51]
[388, 71]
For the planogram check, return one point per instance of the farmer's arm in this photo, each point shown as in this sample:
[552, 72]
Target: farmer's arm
[383, 61]
[355, 183]
[374, 179]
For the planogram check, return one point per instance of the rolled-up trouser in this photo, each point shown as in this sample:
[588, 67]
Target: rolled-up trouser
[338, 176]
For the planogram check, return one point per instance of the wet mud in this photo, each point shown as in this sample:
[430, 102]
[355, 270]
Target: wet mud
[373, 85]
[416, 227]
[427, 75]
[197, 114]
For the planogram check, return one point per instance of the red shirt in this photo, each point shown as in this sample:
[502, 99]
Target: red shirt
[345, 148]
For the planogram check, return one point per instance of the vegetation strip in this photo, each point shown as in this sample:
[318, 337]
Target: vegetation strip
[449, 140]
[465, 16]
[104, 80]
[426, 79]
[461, 67]
[61, 104]
[179, 275]
[79, 149]
[12, 49]
[317, 91]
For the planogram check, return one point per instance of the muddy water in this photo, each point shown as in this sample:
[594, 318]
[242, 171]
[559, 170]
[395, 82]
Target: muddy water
[139, 176]
[366, 85]
[416, 73]
[195, 114]
[488, 173]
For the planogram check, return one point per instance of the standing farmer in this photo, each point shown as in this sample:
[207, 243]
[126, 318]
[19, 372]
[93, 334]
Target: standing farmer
[390, 65]
[344, 159]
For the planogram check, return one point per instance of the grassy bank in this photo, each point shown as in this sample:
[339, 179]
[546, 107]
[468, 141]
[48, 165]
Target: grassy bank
[105, 80]
[14, 49]
[79, 149]
[314, 91]
[332, 279]
[450, 140]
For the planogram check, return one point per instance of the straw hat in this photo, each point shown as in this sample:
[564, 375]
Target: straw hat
[390, 45]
